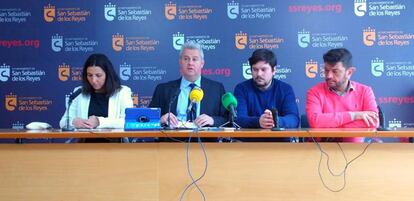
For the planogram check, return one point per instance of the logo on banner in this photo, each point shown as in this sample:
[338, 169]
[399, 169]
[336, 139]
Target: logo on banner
[72, 44]
[377, 67]
[233, 10]
[63, 72]
[135, 100]
[311, 68]
[117, 42]
[241, 40]
[21, 74]
[369, 36]
[397, 69]
[250, 11]
[14, 15]
[170, 11]
[126, 13]
[282, 72]
[17, 125]
[135, 72]
[110, 11]
[257, 41]
[379, 8]
[178, 40]
[57, 43]
[303, 38]
[196, 12]
[394, 123]
[360, 7]
[125, 71]
[62, 15]
[4, 72]
[10, 102]
[49, 13]
[247, 71]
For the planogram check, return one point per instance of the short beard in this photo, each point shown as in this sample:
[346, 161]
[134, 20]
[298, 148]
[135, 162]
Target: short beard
[262, 86]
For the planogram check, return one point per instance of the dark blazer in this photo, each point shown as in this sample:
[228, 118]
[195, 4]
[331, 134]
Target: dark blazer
[210, 104]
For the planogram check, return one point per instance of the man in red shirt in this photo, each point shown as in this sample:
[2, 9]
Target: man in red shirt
[339, 102]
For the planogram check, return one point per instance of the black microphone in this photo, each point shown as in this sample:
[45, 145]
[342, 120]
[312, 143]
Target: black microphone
[72, 96]
[381, 120]
[177, 92]
[276, 120]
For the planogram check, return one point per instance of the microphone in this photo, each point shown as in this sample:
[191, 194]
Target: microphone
[196, 95]
[72, 96]
[230, 103]
[169, 106]
[275, 115]
[381, 120]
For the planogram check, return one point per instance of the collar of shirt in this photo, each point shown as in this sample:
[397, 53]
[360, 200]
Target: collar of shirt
[349, 88]
[184, 83]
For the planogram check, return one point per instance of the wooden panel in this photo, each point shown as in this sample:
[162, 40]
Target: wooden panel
[236, 171]
[270, 171]
[78, 172]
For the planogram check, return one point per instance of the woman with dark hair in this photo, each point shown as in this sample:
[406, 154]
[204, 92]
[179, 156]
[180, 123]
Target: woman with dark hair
[103, 99]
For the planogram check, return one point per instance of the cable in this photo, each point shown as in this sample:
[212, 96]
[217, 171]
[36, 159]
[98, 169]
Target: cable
[194, 181]
[175, 139]
[171, 138]
[100, 136]
[343, 172]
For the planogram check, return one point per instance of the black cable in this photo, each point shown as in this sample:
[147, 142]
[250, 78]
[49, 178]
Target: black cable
[194, 181]
[106, 138]
[175, 139]
[343, 172]
[171, 138]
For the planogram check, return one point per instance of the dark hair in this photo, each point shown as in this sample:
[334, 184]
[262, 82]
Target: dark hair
[334, 56]
[263, 55]
[112, 81]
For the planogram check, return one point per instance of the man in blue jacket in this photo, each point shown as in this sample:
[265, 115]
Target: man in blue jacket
[258, 96]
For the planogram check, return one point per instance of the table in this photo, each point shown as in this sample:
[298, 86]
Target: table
[236, 171]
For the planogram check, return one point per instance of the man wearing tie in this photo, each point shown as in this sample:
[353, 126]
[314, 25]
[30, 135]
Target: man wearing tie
[173, 96]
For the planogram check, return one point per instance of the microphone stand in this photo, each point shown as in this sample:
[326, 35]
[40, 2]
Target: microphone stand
[68, 127]
[381, 121]
[276, 120]
[169, 110]
[168, 127]
[231, 122]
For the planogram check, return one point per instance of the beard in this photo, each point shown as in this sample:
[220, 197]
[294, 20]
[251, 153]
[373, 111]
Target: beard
[337, 85]
[261, 83]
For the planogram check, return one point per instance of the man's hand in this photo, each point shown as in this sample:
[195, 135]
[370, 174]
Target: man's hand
[369, 117]
[266, 120]
[204, 120]
[173, 119]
